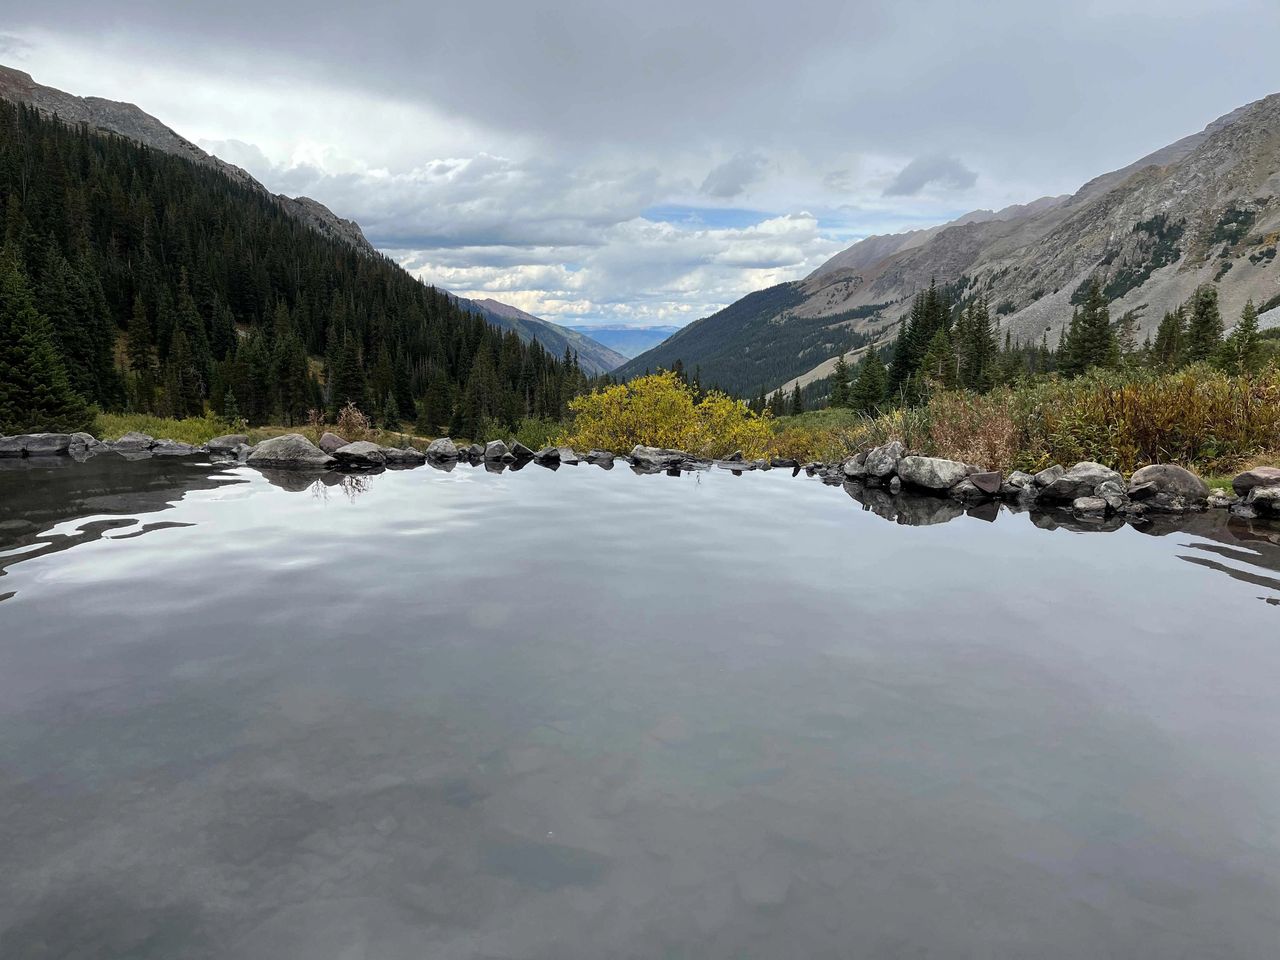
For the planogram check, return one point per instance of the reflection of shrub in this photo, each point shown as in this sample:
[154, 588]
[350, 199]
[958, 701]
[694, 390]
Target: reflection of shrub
[660, 411]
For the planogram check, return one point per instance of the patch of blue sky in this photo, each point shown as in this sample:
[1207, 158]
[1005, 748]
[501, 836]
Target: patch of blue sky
[703, 218]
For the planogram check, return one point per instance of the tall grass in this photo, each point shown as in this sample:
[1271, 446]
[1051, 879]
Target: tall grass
[192, 430]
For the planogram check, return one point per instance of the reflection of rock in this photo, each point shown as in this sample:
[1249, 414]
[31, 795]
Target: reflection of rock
[292, 451]
[988, 511]
[927, 511]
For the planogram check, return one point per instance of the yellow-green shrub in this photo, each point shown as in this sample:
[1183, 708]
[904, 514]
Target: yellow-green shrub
[660, 411]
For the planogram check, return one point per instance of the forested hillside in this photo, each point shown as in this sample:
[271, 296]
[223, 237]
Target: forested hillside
[138, 280]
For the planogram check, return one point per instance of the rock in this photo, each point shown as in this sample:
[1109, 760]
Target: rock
[84, 445]
[1221, 498]
[883, 461]
[292, 451]
[1264, 501]
[1113, 492]
[895, 485]
[35, 444]
[361, 455]
[1048, 475]
[855, 468]
[407, 456]
[737, 466]
[229, 442]
[785, 463]
[988, 483]
[931, 473]
[547, 455]
[331, 442]
[967, 490]
[1020, 478]
[656, 456]
[567, 455]
[735, 457]
[1089, 506]
[1257, 477]
[474, 452]
[133, 442]
[602, 458]
[442, 449]
[496, 450]
[521, 452]
[1168, 488]
[172, 448]
[1080, 481]
[242, 452]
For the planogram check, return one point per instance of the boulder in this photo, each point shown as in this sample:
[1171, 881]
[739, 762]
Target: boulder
[547, 455]
[292, 451]
[931, 473]
[1114, 493]
[442, 449]
[133, 442]
[1169, 488]
[1264, 501]
[642, 456]
[1089, 507]
[84, 445]
[406, 456]
[601, 458]
[521, 452]
[968, 491]
[1048, 475]
[855, 468]
[567, 455]
[173, 448]
[735, 457]
[331, 442]
[1080, 481]
[360, 455]
[1257, 477]
[988, 482]
[35, 444]
[242, 452]
[496, 450]
[229, 443]
[883, 461]
[786, 463]
[1220, 497]
[1020, 478]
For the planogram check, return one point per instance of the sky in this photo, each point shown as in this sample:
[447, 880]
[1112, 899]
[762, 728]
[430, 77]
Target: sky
[599, 162]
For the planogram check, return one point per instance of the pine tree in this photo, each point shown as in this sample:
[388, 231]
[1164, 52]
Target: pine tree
[35, 392]
[840, 383]
[976, 348]
[1170, 336]
[939, 367]
[1090, 341]
[1242, 352]
[868, 392]
[183, 383]
[391, 418]
[797, 401]
[1204, 330]
[230, 409]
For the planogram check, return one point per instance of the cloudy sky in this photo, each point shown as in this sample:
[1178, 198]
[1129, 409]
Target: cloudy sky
[596, 161]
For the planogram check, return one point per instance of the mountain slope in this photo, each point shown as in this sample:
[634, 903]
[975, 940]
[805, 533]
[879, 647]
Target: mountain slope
[127, 120]
[627, 340]
[595, 358]
[1204, 209]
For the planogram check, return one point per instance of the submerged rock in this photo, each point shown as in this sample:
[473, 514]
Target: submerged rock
[931, 473]
[292, 451]
[442, 449]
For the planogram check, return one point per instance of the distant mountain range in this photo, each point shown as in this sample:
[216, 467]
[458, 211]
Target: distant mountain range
[128, 120]
[628, 341]
[1205, 209]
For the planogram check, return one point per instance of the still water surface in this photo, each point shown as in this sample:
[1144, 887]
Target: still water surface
[583, 714]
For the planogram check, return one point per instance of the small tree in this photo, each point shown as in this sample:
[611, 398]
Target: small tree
[873, 380]
[840, 383]
[797, 401]
[1204, 331]
[1242, 352]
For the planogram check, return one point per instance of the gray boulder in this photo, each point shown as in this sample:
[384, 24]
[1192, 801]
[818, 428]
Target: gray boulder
[1257, 477]
[1080, 481]
[292, 451]
[656, 456]
[567, 455]
[229, 443]
[1048, 475]
[406, 456]
[1168, 488]
[855, 468]
[735, 457]
[895, 485]
[442, 449]
[931, 473]
[133, 442]
[785, 463]
[1089, 507]
[173, 448]
[1264, 501]
[496, 450]
[1114, 493]
[883, 461]
[1020, 478]
[242, 452]
[84, 445]
[473, 452]
[548, 455]
[35, 445]
[988, 482]
[521, 452]
[362, 455]
[331, 442]
[1221, 497]
[601, 458]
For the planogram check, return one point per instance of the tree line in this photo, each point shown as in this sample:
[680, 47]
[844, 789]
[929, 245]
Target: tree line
[135, 280]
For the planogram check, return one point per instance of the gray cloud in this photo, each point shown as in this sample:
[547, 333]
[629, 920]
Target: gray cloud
[732, 177]
[947, 172]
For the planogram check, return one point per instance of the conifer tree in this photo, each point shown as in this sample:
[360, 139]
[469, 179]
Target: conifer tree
[1170, 335]
[797, 401]
[1204, 329]
[840, 383]
[940, 367]
[1242, 352]
[868, 392]
[35, 393]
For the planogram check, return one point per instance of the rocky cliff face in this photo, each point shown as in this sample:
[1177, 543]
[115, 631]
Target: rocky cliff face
[1205, 209]
[127, 120]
